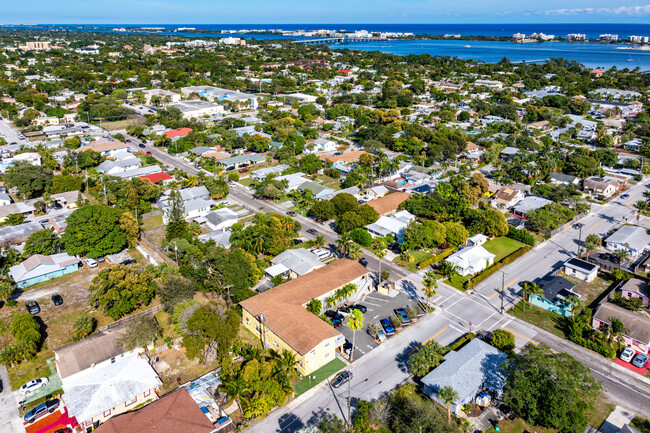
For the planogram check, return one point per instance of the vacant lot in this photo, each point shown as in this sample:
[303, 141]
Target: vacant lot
[502, 247]
[418, 256]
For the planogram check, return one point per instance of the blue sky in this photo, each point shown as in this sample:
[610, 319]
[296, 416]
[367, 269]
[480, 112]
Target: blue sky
[321, 11]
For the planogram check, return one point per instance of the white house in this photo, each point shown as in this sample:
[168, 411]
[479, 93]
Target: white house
[476, 240]
[119, 166]
[633, 239]
[394, 224]
[321, 145]
[221, 219]
[5, 199]
[471, 260]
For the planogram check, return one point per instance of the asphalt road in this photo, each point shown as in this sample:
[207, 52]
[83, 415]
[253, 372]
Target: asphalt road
[9, 133]
[10, 421]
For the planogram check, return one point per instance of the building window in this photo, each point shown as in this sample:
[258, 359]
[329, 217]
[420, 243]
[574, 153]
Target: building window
[327, 355]
[258, 329]
[113, 360]
[248, 320]
[275, 343]
[147, 393]
[130, 402]
[107, 413]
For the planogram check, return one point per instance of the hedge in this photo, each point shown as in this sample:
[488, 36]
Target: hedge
[495, 267]
[521, 235]
[461, 342]
[597, 347]
[361, 236]
[435, 259]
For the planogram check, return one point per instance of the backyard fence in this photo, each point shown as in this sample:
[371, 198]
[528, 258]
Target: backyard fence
[149, 312]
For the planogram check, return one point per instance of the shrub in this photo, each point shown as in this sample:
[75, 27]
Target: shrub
[411, 312]
[521, 235]
[83, 326]
[396, 321]
[435, 259]
[361, 236]
[502, 340]
[461, 342]
[11, 303]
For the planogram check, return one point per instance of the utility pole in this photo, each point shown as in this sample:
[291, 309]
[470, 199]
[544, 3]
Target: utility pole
[349, 398]
[503, 287]
[580, 241]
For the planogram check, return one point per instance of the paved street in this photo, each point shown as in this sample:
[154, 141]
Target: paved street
[10, 134]
[10, 421]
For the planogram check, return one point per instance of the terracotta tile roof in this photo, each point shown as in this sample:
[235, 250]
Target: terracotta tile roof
[175, 412]
[283, 306]
[180, 132]
[471, 146]
[350, 156]
[157, 177]
[506, 194]
[388, 203]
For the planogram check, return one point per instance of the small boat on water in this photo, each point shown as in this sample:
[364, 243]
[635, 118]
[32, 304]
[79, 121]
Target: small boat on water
[629, 60]
[468, 46]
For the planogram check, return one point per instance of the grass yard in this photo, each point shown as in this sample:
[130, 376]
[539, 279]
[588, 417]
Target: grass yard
[502, 247]
[249, 181]
[318, 376]
[592, 292]
[418, 256]
[539, 317]
[335, 184]
[152, 222]
[122, 124]
[457, 281]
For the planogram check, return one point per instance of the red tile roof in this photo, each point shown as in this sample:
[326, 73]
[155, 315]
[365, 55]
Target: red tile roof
[157, 177]
[180, 132]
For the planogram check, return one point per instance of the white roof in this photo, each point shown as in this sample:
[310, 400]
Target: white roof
[636, 237]
[97, 389]
[471, 257]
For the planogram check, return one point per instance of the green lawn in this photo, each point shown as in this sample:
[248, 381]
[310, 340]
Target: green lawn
[318, 376]
[152, 222]
[502, 247]
[248, 181]
[335, 184]
[418, 256]
[457, 281]
[539, 317]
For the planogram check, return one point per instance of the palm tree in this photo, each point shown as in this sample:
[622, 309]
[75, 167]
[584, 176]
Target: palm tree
[528, 289]
[320, 240]
[447, 269]
[343, 244]
[617, 329]
[355, 322]
[575, 302]
[235, 387]
[621, 254]
[355, 252]
[430, 287]
[592, 242]
[379, 248]
[641, 207]
[448, 395]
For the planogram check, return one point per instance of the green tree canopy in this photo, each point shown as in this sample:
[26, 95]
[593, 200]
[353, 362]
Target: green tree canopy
[44, 242]
[30, 180]
[94, 231]
[121, 289]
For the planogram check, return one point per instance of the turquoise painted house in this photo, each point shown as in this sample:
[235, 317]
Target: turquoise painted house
[556, 290]
[39, 268]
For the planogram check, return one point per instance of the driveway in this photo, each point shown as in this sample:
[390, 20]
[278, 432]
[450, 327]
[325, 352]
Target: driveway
[10, 421]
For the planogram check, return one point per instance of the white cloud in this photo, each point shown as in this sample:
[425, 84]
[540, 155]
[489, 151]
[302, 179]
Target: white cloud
[621, 10]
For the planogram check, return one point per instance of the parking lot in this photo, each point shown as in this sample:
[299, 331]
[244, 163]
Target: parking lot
[379, 307]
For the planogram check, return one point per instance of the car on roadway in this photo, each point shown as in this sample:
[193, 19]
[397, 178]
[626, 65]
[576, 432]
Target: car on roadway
[624, 196]
[57, 299]
[149, 152]
[627, 355]
[291, 213]
[141, 145]
[34, 385]
[342, 378]
[385, 323]
[43, 408]
[577, 226]
[312, 231]
[640, 360]
[128, 141]
[91, 263]
[32, 307]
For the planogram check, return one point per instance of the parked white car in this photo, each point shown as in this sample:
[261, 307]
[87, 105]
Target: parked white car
[627, 355]
[92, 263]
[33, 385]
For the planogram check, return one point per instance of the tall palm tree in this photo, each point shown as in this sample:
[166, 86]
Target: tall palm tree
[430, 287]
[343, 244]
[355, 322]
[528, 289]
[641, 207]
[379, 248]
[575, 302]
[621, 254]
[448, 395]
[355, 252]
[320, 240]
[617, 329]
[235, 387]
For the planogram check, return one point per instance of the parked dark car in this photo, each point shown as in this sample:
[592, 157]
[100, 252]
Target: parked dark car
[341, 379]
[385, 323]
[141, 145]
[347, 347]
[49, 406]
[402, 313]
[57, 299]
[336, 322]
[291, 213]
[334, 315]
[32, 307]
[624, 196]
[348, 308]
[312, 231]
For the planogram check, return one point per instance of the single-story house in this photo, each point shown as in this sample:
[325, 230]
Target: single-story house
[119, 166]
[221, 219]
[321, 145]
[343, 159]
[634, 239]
[563, 179]
[293, 263]
[220, 237]
[139, 172]
[16, 208]
[636, 288]
[240, 161]
[529, 204]
[554, 296]
[637, 324]
[60, 222]
[318, 190]
[580, 269]
[16, 235]
[394, 224]
[162, 177]
[507, 197]
[173, 413]
[98, 393]
[105, 147]
[388, 204]
[263, 173]
[601, 186]
[509, 153]
[280, 318]
[476, 240]
[469, 371]
[39, 268]
[471, 260]
[377, 191]
[5, 199]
